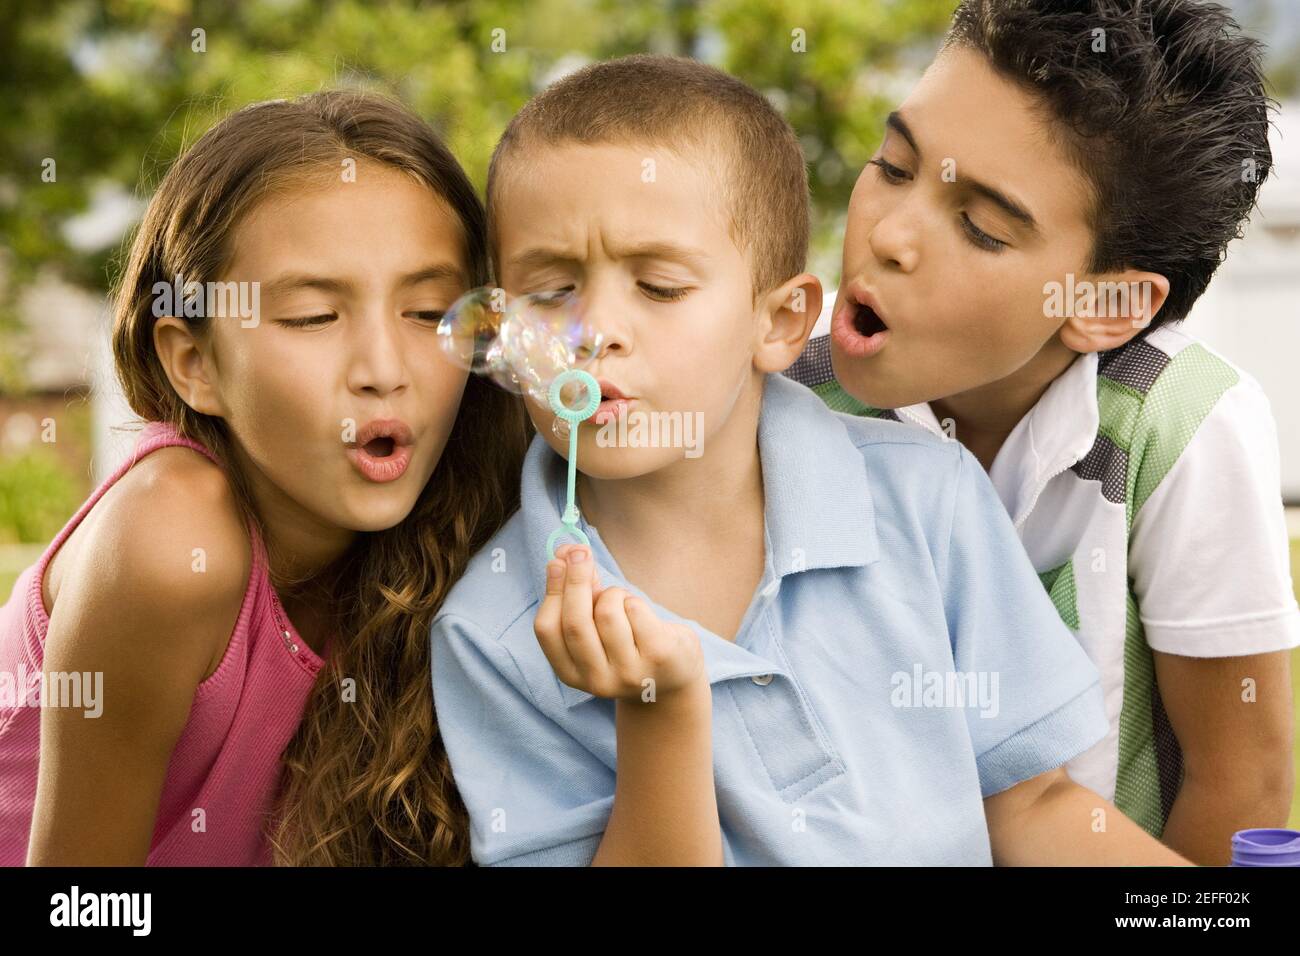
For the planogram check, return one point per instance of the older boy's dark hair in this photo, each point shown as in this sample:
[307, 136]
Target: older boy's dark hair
[690, 108]
[1161, 103]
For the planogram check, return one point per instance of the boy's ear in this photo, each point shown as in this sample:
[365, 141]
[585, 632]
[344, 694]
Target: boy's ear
[187, 365]
[787, 315]
[1123, 305]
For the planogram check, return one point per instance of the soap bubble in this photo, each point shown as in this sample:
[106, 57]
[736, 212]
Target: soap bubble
[469, 328]
[522, 343]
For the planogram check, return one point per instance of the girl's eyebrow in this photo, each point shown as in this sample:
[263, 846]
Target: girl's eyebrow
[1012, 208]
[289, 281]
[440, 272]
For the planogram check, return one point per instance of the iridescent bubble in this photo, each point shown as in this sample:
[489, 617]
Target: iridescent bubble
[469, 328]
[532, 356]
[521, 343]
[560, 314]
[498, 367]
[543, 335]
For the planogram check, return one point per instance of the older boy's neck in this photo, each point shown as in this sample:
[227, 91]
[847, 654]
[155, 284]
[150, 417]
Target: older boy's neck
[983, 417]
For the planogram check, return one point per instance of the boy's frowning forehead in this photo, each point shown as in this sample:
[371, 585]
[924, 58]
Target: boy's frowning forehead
[694, 174]
[695, 111]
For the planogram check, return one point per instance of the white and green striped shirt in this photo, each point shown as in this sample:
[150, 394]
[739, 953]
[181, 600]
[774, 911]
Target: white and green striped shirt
[1144, 485]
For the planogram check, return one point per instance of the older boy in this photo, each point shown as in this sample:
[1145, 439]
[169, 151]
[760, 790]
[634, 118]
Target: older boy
[1044, 209]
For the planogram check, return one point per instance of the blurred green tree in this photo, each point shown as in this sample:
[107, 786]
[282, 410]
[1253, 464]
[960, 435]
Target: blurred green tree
[106, 94]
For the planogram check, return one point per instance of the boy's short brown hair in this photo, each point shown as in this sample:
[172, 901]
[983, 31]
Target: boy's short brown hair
[683, 104]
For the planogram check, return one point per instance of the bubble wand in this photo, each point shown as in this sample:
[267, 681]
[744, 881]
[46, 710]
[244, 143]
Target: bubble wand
[532, 345]
[574, 417]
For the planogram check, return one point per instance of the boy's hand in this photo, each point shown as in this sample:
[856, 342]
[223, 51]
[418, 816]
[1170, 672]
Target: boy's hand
[606, 642]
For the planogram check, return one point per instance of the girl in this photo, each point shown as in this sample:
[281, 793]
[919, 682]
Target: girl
[261, 574]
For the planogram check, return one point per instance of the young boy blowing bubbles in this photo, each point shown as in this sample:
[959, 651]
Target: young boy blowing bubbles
[768, 677]
[1044, 209]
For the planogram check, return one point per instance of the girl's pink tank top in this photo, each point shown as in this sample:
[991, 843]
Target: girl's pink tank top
[224, 775]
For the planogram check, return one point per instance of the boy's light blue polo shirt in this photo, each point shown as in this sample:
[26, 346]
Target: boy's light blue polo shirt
[899, 662]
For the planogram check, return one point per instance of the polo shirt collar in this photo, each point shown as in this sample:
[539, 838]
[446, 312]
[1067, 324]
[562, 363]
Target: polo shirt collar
[1056, 433]
[818, 507]
[818, 513]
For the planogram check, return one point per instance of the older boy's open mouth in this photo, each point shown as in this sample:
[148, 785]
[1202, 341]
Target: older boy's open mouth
[857, 328]
[867, 322]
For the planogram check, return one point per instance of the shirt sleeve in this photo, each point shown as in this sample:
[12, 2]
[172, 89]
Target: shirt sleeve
[535, 795]
[1208, 553]
[1046, 699]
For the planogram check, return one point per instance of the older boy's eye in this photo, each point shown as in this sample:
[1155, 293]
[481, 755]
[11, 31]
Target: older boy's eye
[427, 315]
[888, 171]
[663, 293]
[980, 237]
[307, 320]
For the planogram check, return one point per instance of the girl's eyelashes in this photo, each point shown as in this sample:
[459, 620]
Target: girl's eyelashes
[663, 293]
[889, 172]
[307, 320]
[979, 237]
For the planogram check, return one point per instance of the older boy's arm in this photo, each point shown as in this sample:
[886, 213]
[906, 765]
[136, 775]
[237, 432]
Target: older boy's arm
[665, 808]
[1050, 820]
[1232, 717]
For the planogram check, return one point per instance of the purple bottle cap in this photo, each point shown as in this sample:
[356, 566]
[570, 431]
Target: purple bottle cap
[1266, 848]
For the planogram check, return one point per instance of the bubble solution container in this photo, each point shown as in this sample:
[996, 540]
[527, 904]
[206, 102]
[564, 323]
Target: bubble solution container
[1266, 848]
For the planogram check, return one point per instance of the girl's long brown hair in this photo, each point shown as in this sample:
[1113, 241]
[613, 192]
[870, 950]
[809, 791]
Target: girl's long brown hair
[367, 781]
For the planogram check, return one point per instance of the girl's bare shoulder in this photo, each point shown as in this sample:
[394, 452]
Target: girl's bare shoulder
[146, 602]
[166, 551]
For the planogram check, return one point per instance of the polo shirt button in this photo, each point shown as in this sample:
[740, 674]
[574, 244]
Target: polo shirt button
[762, 680]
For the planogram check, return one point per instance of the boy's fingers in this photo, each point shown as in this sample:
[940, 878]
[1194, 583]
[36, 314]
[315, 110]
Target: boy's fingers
[615, 631]
[576, 622]
[649, 632]
[547, 623]
[562, 553]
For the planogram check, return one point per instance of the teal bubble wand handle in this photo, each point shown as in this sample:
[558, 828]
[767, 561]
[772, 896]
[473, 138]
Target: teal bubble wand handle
[574, 416]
